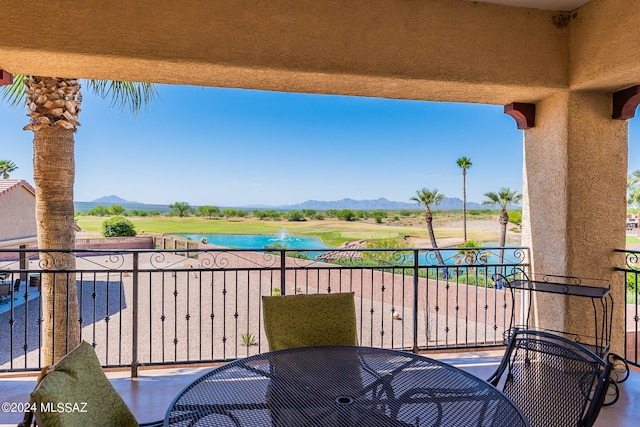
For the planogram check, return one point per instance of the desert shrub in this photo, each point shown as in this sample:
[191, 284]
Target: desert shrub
[379, 215]
[296, 216]
[117, 226]
[346, 215]
[248, 339]
[515, 217]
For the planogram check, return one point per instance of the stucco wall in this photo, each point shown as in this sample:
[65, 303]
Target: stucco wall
[605, 45]
[17, 214]
[444, 50]
[575, 202]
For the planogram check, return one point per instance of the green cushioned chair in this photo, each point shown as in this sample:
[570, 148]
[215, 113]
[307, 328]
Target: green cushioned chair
[309, 320]
[76, 392]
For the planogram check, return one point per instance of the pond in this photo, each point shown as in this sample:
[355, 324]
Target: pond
[259, 241]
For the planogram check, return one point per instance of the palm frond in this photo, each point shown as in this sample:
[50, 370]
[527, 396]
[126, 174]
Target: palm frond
[15, 92]
[504, 197]
[133, 95]
[426, 197]
[464, 163]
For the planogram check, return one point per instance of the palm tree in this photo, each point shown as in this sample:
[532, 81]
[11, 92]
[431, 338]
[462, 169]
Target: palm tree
[633, 180]
[427, 197]
[6, 167]
[633, 188]
[464, 163]
[634, 198]
[504, 197]
[54, 106]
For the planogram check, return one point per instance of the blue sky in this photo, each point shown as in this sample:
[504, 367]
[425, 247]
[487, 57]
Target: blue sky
[232, 147]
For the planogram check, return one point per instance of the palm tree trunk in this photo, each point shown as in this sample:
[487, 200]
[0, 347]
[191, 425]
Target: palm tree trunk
[464, 203]
[432, 236]
[54, 170]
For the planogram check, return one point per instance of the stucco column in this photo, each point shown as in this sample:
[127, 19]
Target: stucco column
[574, 204]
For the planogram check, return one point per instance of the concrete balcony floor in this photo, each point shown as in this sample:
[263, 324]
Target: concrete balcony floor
[152, 392]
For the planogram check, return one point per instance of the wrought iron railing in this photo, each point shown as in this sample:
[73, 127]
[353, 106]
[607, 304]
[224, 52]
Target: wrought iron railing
[631, 271]
[154, 307]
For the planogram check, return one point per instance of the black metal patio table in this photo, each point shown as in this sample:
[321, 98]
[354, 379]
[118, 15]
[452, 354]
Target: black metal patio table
[341, 386]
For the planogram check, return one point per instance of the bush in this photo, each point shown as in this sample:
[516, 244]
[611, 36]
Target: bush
[346, 215]
[378, 216]
[98, 211]
[296, 216]
[117, 226]
[515, 217]
[632, 288]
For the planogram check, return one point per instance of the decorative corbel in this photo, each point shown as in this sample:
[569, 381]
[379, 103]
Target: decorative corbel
[524, 114]
[5, 78]
[625, 103]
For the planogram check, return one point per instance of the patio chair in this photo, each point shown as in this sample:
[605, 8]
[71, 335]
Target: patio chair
[309, 320]
[305, 320]
[555, 381]
[79, 383]
[16, 289]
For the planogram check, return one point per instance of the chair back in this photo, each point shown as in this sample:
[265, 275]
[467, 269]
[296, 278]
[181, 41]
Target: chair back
[555, 381]
[309, 320]
[16, 286]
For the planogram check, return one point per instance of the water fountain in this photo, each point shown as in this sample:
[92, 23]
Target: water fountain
[283, 236]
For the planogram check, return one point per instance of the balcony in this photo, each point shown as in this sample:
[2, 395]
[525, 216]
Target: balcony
[150, 394]
[158, 318]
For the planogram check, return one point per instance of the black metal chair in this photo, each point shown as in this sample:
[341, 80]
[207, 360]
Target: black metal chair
[16, 289]
[555, 381]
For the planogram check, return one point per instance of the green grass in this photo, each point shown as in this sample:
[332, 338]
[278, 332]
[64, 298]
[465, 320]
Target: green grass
[332, 232]
[632, 240]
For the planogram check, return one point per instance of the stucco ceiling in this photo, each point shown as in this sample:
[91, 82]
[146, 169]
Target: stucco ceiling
[559, 5]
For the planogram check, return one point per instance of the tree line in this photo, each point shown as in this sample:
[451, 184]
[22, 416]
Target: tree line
[183, 209]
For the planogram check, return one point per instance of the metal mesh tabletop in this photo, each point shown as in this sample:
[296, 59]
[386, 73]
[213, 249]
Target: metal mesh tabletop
[341, 386]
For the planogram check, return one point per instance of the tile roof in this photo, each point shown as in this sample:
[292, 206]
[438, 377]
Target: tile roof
[7, 185]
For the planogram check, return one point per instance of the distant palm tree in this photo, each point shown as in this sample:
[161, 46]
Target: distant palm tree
[427, 197]
[633, 188]
[504, 197]
[54, 106]
[634, 198]
[6, 167]
[464, 163]
[633, 180]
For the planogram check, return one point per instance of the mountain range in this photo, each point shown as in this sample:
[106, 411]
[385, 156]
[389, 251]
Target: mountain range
[448, 203]
[114, 200]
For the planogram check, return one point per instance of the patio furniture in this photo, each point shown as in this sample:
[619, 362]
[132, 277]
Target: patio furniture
[16, 288]
[88, 398]
[597, 292]
[341, 386]
[309, 320]
[554, 380]
[34, 280]
[5, 292]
